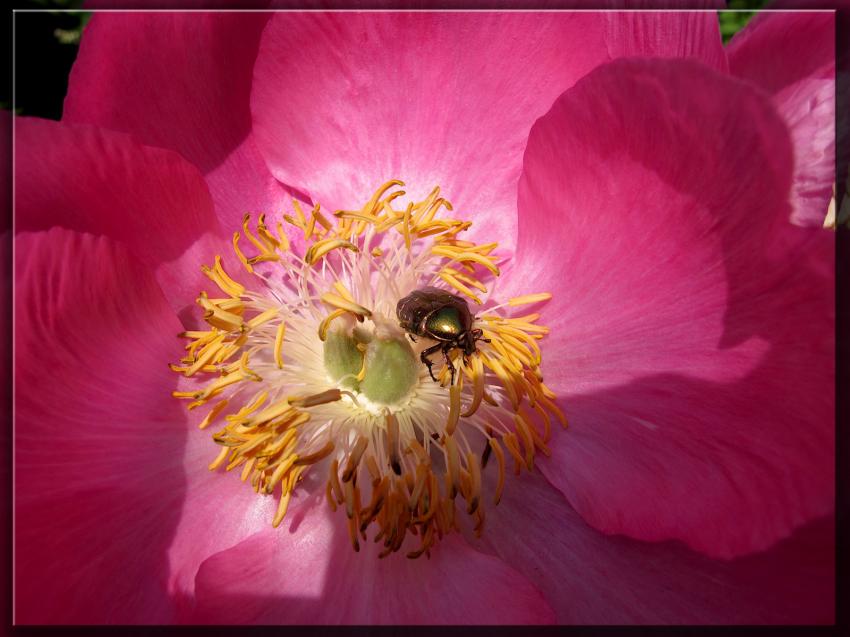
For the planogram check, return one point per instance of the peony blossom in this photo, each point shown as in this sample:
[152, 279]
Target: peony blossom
[658, 195]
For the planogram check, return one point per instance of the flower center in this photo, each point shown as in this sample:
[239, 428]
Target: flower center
[353, 350]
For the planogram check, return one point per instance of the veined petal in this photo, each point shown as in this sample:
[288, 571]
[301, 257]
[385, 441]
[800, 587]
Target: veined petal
[92, 180]
[686, 34]
[695, 324]
[180, 81]
[6, 167]
[443, 98]
[218, 512]
[791, 55]
[309, 575]
[98, 440]
[592, 578]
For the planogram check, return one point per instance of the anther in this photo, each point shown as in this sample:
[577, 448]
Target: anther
[454, 409]
[329, 396]
[337, 301]
[392, 443]
[273, 442]
[354, 458]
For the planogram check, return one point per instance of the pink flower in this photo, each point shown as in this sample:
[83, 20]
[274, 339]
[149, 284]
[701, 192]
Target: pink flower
[672, 206]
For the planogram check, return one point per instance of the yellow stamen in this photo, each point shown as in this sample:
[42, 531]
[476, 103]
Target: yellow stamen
[475, 483]
[284, 240]
[457, 285]
[218, 276]
[254, 241]
[322, 247]
[356, 215]
[454, 409]
[343, 304]
[369, 206]
[333, 480]
[278, 344]
[372, 466]
[262, 258]
[265, 317]
[453, 466]
[527, 441]
[313, 458]
[419, 450]
[206, 354]
[512, 446]
[354, 458]
[272, 412]
[215, 464]
[552, 407]
[329, 496]
[302, 220]
[194, 334]
[246, 470]
[324, 326]
[456, 255]
[269, 241]
[392, 443]
[280, 471]
[477, 375]
[296, 418]
[240, 255]
[362, 373]
[249, 409]
[213, 413]
[329, 396]
[406, 226]
[528, 299]
[460, 276]
[281, 509]
[218, 317]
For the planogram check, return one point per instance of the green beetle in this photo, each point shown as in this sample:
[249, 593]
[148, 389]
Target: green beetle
[445, 317]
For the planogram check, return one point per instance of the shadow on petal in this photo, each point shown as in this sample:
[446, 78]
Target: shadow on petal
[98, 438]
[592, 578]
[313, 576]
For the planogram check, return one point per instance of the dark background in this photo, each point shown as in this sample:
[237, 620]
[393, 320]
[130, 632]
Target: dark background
[46, 45]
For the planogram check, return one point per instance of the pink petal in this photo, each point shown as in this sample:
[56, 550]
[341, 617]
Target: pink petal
[672, 34]
[219, 510]
[6, 168]
[180, 81]
[6, 345]
[432, 98]
[310, 575]
[792, 57]
[98, 437]
[6, 399]
[692, 326]
[591, 578]
[91, 180]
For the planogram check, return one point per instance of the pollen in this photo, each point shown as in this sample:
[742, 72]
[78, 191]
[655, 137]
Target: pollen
[304, 366]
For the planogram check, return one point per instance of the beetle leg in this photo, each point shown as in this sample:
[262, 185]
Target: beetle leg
[424, 358]
[411, 337]
[478, 335]
[446, 349]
